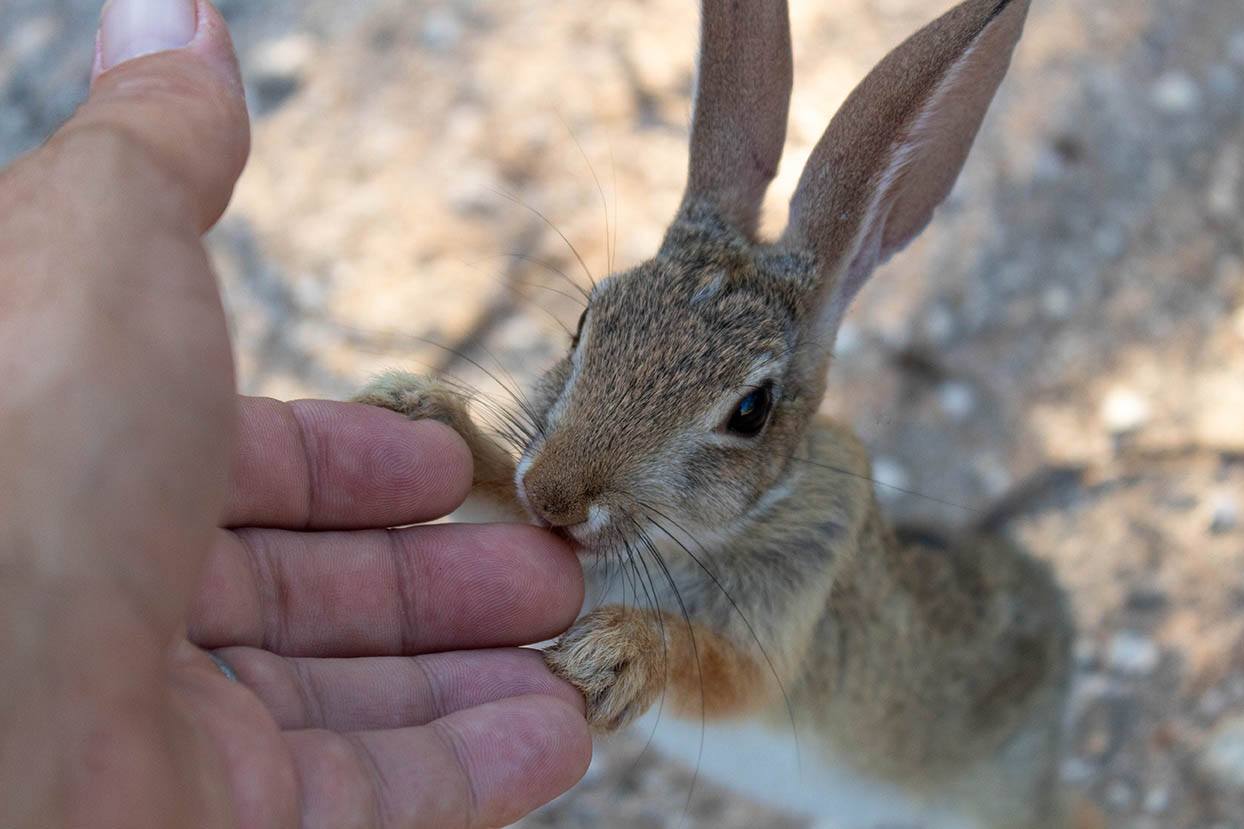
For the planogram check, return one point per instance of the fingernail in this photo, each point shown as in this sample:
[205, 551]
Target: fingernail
[132, 28]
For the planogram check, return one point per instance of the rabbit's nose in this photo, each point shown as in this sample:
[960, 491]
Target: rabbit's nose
[555, 508]
[552, 498]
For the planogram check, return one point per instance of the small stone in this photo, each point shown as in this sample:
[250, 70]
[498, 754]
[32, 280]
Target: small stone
[1077, 770]
[287, 56]
[993, 474]
[1176, 93]
[1222, 198]
[1224, 514]
[1133, 654]
[957, 400]
[939, 324]
[1119, 795]
[1212, 703]
[1057, 301]
[849, 339]
[1235, 48]
[1085, 653]
[1223, 758]
[1110, 241]
[1124, 411]
[441, 30]
[1223, 83]
[1157, 800]
[1146, 598]
[890, 479]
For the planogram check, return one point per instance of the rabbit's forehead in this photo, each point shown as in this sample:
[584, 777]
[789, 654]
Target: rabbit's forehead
[686, 332]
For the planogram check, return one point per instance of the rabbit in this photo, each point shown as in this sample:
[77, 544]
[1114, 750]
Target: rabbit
[679, 437]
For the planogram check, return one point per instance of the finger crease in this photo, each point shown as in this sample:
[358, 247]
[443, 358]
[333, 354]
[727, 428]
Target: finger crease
[408, 604]
[310, 468]
[273, 592]
[380, 812]
[310, 694]
[452, 740]
[431, 690]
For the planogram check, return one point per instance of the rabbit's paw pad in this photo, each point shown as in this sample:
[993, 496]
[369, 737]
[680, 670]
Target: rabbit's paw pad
[614, 656]
[417, 396]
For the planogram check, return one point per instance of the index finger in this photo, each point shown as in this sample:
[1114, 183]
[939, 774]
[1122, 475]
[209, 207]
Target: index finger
[315, 464]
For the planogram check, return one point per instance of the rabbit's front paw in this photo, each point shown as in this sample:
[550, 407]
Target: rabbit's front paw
[614, 656]
[419, 397]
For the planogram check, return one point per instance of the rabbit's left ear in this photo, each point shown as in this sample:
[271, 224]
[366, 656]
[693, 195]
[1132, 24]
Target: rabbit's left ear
[893, 151]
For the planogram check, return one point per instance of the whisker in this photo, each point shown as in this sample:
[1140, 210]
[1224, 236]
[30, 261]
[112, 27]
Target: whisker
[751, 630]
[553, 227]
[603, 202]
[613, 248]
[894, 487]
[655, 605]
[699, 667]
[549, 266]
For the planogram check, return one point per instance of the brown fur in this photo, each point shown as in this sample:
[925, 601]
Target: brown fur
[625, 658]
[940, 666]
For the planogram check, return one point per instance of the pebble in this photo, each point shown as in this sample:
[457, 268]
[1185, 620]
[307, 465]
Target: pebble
[287, 56]
[1176, 93]
[1212, 703]
[957, 399]
[1056, 301]
[1119, 795]
[1133, 654]
[1157, 800]
[1223, 758]
[939, 324]
[1222, 199]
[441, 30]
[1235, 48]
[890, 478]
[1084, 652]
[1077, 770]
[849, 339]
[1123, 410]
[1223, 83]
[1224, 513]
[1110, 241]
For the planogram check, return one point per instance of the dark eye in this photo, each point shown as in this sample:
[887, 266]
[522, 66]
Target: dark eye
[752, 412]
[578, 332]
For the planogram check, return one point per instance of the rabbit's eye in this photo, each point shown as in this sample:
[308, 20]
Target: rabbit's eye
[578, 332]
[752, 412]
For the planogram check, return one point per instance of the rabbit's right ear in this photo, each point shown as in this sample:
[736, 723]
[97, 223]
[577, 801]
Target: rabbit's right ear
[894, 149]
[738, 123]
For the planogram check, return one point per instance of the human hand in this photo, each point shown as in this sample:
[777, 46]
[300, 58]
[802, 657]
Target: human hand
[127, 467]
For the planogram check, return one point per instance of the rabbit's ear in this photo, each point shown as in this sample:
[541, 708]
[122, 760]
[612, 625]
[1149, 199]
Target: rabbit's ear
[742, 97]
[893, 151]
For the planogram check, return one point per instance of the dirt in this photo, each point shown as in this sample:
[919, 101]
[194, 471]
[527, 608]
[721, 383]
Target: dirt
[1060, 357]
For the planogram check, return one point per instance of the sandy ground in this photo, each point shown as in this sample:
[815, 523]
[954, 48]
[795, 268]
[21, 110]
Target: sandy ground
[1061, 356]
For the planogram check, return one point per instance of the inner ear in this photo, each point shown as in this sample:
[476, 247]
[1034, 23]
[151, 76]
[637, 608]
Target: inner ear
[893, 151]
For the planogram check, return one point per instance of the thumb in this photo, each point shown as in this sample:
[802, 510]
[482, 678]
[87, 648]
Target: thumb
[166, 83]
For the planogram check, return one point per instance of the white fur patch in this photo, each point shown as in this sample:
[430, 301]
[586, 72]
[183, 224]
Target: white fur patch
[766, 764]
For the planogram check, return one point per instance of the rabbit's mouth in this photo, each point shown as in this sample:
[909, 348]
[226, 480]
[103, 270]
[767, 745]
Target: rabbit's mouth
[595, 532]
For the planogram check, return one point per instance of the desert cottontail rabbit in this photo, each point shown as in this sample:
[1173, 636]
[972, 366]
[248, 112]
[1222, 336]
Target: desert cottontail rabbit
[679, 439]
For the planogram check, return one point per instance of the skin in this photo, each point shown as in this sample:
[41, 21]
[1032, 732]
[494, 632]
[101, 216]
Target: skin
[147, 513]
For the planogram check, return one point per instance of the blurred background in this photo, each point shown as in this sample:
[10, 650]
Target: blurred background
[1061, 356]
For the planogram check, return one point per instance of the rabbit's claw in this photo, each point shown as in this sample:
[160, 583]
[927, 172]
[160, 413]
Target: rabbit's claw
[614, 656]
